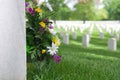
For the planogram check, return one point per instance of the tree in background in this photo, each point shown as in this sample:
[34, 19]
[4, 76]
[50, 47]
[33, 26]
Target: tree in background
[60, 9]
[85, 10]
[113, 8]
[101, 14]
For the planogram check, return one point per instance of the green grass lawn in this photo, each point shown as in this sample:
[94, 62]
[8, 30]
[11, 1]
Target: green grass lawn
[80, 63]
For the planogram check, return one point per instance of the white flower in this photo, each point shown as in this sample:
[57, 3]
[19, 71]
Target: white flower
[52, 31]
[52, 50]
[47, 4]
[41, 1]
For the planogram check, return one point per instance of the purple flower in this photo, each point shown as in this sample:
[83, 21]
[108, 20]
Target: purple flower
[31, 11]
[42, 30]
[26, 4]
[46, 20]
[51, 27]
[56, 58]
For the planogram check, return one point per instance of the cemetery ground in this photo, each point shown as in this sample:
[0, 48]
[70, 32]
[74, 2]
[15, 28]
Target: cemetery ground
[95, 62]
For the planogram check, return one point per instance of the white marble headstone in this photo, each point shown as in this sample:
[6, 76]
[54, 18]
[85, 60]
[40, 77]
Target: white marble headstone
[66, 38]
[101, 35]
[117, 37]
[12, 40]
[112, 44]
[61, 34]
[89, 35]
[74, 35]
[81, 30]
[85, 40]
[112, 32]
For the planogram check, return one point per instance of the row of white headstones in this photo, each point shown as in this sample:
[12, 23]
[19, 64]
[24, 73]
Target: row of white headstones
[113, 28]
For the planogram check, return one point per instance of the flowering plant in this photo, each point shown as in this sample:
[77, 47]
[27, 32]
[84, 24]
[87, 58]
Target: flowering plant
[42, 41]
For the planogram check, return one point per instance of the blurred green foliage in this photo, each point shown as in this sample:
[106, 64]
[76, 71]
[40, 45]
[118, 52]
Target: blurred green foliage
[85, 10]
[62, 12]
[113, 8]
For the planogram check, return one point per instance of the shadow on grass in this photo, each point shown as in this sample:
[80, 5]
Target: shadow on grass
[95, 40]
[102, 52]
[98, 41]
